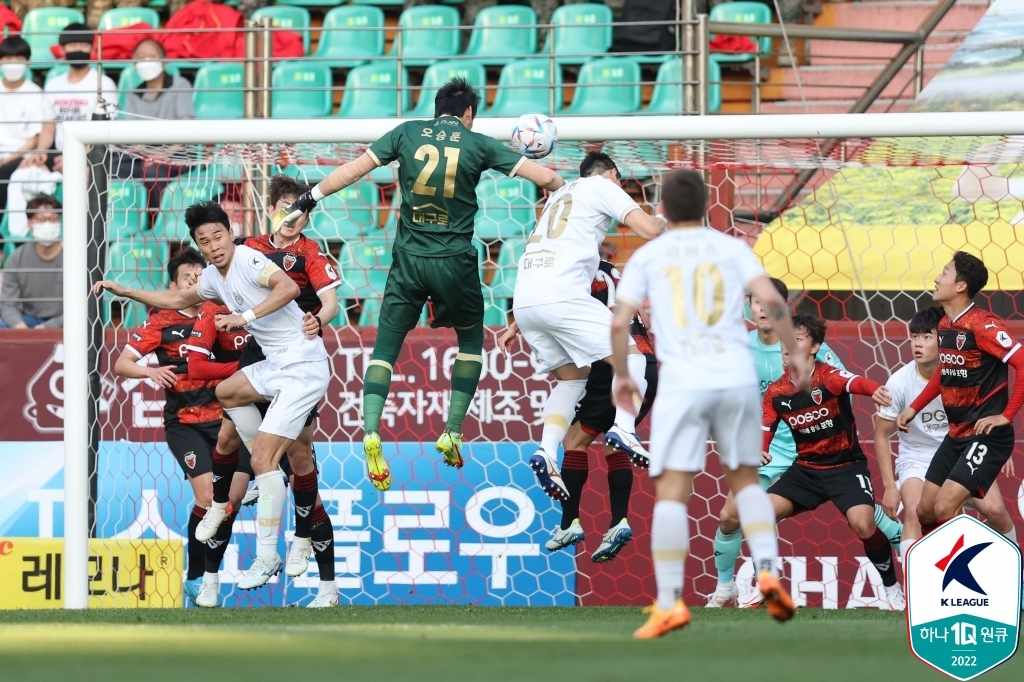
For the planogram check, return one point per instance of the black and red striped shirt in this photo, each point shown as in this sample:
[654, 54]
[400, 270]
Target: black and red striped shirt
[821, 420]
[212, 354]
[603, 289]
[166, 334]
[305, 263]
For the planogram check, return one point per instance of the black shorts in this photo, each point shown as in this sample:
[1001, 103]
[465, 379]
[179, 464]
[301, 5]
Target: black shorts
[596, 413]
[974, 462]
[193, 444]
[845, 486]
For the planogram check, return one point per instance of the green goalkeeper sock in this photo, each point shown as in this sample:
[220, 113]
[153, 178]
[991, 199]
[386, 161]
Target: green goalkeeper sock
[465, 374]
[892, 530]
[727, 551]
[377, 380]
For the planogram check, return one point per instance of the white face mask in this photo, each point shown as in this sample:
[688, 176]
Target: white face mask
[13, 71]
[148, 69]
[46, 233]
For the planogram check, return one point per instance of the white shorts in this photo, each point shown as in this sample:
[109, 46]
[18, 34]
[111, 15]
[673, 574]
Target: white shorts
[681, 423]
[293, 390]
[907, 469]
[578, 332]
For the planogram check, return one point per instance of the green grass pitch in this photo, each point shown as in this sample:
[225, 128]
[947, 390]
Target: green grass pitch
[455, 644]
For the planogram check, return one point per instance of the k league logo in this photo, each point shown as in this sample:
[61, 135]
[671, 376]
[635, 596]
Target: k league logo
[963, 598]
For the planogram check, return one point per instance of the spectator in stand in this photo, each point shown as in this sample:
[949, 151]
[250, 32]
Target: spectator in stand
[71, 96]
[32, 295]
[21, 110]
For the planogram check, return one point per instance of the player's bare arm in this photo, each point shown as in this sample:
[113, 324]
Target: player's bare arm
[881, 397]
[779, 314]
[883, 454]
[312, 324]
[624, 391]
[544, 178]
[167, 299]
[643, 224]
[508, 337]
[128, 366]
[906, 416]
[986, 424]
[282, 291]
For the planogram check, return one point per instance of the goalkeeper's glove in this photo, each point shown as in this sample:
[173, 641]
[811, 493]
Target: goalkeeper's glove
[304, 204]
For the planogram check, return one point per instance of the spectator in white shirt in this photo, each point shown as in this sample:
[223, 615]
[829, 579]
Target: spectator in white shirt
[21, 110]
[72, 96]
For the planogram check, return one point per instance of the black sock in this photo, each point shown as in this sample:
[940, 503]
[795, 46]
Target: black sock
[218, 544]
[620, 484]
[879, 553]
[322, 537]
[223, 469]
[304, 492]
[196, 549]
[574, 474]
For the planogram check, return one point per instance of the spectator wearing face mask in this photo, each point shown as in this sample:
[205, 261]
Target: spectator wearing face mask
[71, 96]
[21, 110]
[33, 286]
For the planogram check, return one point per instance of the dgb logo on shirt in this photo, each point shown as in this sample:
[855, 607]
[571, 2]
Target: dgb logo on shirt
[963, 598]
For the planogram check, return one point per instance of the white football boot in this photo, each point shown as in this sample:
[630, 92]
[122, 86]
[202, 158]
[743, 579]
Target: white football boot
[325, 599]
[617, 537]
[724, 596]
[548, 475]
[251, 495]
[894, 595]
[627, 442]
[210, 524]
[567, 537]
[261, 571]
[209, 594]
[298, 557]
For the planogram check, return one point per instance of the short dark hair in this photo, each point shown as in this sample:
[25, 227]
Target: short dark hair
[971, 271]
[455, 97]
[15, 46]
[43, 201]
[76, 33]
[684, 195]
[282, 186]
[187, 256]
[595, 163]
[814, 326]
[927, 320]
[780, 287]
[203, 213]
[163, 51]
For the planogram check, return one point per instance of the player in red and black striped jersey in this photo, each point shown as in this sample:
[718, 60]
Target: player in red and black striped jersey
[830, 465]
[192, 415]
[594, 416]
[975, 349]
[304, 262]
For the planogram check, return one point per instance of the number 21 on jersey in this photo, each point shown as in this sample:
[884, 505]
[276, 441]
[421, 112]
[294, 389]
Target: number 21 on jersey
[704, 275]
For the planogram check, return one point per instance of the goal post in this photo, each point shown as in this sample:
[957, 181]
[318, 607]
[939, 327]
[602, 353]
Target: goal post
[736, 152]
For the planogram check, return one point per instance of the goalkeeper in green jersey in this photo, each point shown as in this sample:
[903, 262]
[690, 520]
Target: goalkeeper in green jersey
[767, 352]
[440, 162]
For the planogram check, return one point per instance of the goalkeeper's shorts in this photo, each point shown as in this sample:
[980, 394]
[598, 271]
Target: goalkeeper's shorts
[451, 283]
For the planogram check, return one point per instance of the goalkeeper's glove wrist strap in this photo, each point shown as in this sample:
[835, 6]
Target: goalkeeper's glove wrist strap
[316, 193]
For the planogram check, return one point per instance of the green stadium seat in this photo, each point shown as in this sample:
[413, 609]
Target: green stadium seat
[129, 80]
[743, 13]
[440, 73]
[306, 3]
[502, 33]
[667, 98]
[524, 87]
[506, 207]
[365, 267]
[179, 195]
[217, 92]
[137, 263]
[428, 33]
[606, 86]
[127, 205]
[370, 314]
[120, 17]
[371, 91]
[290, 18]
[342, 47]
[576, 38]
[504, 283]
[41, 28]
[347, 215]
[380, 3]
[302, 89]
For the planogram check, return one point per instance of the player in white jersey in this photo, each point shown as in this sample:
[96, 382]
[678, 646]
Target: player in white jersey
[923, 437]
[293, 378]
[697, 280]
[564, 325]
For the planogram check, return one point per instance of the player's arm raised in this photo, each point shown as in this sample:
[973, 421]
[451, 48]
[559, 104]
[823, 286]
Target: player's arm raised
[338, 179]
[544, 178]
[283, 290]
[643, 224]
[782, 321]
[167, 299]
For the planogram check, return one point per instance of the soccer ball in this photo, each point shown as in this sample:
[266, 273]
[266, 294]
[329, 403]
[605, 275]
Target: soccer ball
[534, 136]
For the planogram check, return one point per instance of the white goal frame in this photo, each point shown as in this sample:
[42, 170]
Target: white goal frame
[78, 135]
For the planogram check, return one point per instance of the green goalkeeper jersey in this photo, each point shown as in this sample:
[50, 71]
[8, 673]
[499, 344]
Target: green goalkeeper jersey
[440, 162]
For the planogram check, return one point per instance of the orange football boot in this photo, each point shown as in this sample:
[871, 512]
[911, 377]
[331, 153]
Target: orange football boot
[779, 603]
[662, 622]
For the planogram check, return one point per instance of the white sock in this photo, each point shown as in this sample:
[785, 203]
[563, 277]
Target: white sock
[1011, 535]
[558, 412]
[637, 366]
[247, 421]
[905, 544]
[757, 519]
[268, 513]
[210, 578]
[670, 542]
[327, 586]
